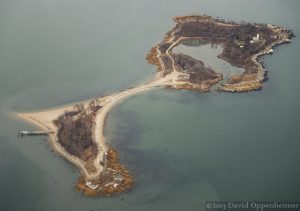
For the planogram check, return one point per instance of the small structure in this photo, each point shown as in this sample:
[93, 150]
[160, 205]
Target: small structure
[270, 51]
[91, 185]
[34, 133]
[255, 39]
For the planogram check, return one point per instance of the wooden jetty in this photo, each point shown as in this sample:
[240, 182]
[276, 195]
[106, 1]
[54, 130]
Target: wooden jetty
[34, 133]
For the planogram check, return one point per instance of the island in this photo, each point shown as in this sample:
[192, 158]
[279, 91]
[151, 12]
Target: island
[77, 131]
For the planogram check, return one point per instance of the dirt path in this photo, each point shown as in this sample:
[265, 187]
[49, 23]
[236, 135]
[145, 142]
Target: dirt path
[44, 120]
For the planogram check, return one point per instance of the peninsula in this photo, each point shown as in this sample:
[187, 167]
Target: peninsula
[78, 130]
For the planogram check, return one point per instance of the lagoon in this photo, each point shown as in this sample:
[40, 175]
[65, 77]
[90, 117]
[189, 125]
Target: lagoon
[183, 147]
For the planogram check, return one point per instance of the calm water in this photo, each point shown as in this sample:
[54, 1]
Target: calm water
[183, 147]
[208, 54]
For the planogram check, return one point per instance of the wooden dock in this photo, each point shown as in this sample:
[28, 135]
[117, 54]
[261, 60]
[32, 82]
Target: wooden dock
[34, 133]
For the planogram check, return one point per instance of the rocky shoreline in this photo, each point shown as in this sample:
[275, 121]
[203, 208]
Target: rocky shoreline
[113, 180]
[255, 72]
[78, 131]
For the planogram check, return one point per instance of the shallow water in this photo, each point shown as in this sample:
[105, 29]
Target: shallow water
[182, 147]
[207, 53]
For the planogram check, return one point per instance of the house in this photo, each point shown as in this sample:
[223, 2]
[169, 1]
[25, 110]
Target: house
[255, 39]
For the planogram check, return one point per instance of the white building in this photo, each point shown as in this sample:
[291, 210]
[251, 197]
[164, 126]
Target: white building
[255, 39]
[91, 185]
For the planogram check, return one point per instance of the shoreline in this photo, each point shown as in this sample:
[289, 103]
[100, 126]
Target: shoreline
[255, 84]
[37, 120]
[44, 120]
[106, 180]
[248, 81]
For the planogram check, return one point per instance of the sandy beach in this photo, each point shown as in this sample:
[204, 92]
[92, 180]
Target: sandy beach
[172, 78]
[44, 120]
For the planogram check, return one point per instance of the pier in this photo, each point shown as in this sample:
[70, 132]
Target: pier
[34, 133]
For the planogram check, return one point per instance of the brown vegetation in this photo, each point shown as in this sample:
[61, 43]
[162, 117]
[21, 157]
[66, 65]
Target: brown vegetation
[240, 87]
[114, 179]
[75, 132]
[198, 73]
[152, 58]
[75, 128]
[232, 37]
[239, 48]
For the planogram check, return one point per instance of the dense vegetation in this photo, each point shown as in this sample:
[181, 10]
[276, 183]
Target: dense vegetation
[197, 71]
[236, 39]
[75, 131]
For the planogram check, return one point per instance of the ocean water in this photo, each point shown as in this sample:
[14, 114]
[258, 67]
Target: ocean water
[183, 147]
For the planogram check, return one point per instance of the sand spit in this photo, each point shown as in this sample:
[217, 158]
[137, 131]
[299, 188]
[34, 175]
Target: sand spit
[109, 176]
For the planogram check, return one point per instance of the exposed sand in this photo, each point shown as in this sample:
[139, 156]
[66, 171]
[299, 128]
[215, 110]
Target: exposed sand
[44, 120]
